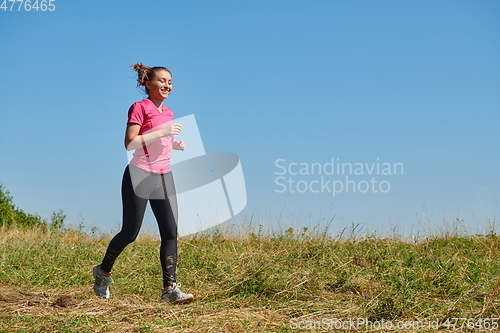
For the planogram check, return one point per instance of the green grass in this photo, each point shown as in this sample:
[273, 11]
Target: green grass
[250, 283]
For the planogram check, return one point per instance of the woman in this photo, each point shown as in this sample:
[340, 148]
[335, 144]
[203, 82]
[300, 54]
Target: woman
[148, 177]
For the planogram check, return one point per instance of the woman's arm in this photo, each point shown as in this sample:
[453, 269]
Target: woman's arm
[134, 141]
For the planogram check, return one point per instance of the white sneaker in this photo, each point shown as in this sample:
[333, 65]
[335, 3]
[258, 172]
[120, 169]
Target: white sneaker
[175, 296]
[101, 283]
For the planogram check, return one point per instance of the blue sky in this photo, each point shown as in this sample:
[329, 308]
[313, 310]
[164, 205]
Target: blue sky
[415, 83]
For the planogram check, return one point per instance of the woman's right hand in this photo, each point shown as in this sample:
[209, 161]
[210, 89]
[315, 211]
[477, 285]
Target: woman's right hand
[172, 129]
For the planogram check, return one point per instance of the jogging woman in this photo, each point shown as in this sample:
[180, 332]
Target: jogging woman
[148, 178]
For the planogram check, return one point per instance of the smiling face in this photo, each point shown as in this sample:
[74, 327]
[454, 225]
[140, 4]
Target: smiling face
[160, 86]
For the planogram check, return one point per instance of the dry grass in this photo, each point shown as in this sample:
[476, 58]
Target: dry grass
[251, 283]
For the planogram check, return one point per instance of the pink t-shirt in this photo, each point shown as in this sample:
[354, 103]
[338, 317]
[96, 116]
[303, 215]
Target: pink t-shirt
[155, 157]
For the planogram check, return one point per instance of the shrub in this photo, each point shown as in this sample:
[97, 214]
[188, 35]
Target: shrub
[11, 216]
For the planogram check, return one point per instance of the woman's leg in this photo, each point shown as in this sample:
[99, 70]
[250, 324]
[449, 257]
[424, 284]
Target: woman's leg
[133, 214]
[165, 211]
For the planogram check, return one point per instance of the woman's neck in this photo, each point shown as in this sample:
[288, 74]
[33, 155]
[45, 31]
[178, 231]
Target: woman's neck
[157, 102]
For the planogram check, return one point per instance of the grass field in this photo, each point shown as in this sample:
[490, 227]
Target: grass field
[251, 283]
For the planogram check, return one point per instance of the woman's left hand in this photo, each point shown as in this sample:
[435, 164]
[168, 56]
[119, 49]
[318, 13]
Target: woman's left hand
[179, 145]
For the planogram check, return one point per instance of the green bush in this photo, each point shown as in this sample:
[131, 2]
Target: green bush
[11, 216]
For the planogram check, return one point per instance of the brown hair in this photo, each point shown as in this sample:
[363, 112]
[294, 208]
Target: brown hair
[146, 73]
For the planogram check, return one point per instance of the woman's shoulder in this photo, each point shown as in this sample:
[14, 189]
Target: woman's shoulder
[166, 108]
[143, 105]
[143, 102]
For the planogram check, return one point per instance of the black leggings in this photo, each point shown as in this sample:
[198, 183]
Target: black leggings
[159, 190]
